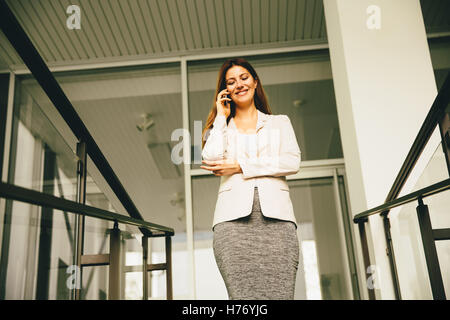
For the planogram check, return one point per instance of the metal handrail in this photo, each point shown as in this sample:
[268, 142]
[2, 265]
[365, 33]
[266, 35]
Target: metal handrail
[12, 192]
[422, 193]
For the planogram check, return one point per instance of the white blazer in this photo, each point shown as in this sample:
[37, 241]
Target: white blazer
[276, 155]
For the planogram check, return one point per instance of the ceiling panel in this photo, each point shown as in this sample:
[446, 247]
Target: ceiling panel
[123, 30]
[118, 30]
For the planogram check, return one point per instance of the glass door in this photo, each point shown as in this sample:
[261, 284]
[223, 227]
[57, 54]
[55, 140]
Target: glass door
[327, 265]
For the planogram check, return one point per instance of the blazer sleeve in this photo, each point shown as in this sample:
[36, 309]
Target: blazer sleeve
[214, 148]
[285, 163]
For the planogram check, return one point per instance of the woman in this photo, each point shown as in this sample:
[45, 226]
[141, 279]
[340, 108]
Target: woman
[255, 240]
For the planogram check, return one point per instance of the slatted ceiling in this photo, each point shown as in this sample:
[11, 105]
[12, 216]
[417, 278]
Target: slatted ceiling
[299, 19]
[108, 21]
[210, 23]
[146, 25]
[318, 18]
[169, 18]
[134, 19]
[273, 21]
[309, 19]
[221, 24]
[120, 30]
[50, 37]
[71, 40]
[264, 20]
[247, 16]
[184, 23]
[23, 17]
[290, 20]
[281, 20]
[160, 12]
[7, 53]
[83, 40]
[132, 41]
[154, 17]
[239, 30]
[323, 29]
[181, 29]
[227, 14]
[200, 19]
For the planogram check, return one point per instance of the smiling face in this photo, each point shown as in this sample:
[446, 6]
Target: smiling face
[241, 85]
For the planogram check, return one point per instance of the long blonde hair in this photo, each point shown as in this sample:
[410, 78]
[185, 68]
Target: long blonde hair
[261, 102]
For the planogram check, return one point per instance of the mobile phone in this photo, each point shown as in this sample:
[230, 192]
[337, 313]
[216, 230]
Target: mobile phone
[227, 102]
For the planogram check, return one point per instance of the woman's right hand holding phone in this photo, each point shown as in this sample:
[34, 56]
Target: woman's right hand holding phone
[222, 103]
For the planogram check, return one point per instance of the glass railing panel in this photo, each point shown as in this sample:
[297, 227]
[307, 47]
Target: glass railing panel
[37, 253]
[95, 283]
[438, 206]
[408, 247]
[157, 288]
[435, 170]
[132, 251]
[37, 261]
[443, 251]
[409, 254]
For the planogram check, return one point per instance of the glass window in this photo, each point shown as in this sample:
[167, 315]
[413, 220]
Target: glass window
[298, 85]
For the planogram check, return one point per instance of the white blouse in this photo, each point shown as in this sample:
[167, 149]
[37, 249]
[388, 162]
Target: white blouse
[249, 145]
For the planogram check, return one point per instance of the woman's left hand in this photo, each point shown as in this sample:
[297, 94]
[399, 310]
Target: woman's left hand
[222, 167]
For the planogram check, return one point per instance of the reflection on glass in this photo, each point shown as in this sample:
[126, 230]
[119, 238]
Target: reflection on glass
[39, 153]
[95, 283]
[132, 251]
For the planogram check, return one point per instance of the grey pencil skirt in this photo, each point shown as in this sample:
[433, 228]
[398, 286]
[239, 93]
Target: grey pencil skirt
[257, 256]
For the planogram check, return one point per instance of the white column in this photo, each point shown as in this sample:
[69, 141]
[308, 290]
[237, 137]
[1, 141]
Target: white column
[384, 85]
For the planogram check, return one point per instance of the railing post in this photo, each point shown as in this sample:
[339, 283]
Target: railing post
[429, 248]
[114, 263]
[366, 256]
[79, 218]
[144, 267]
[169, 267]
